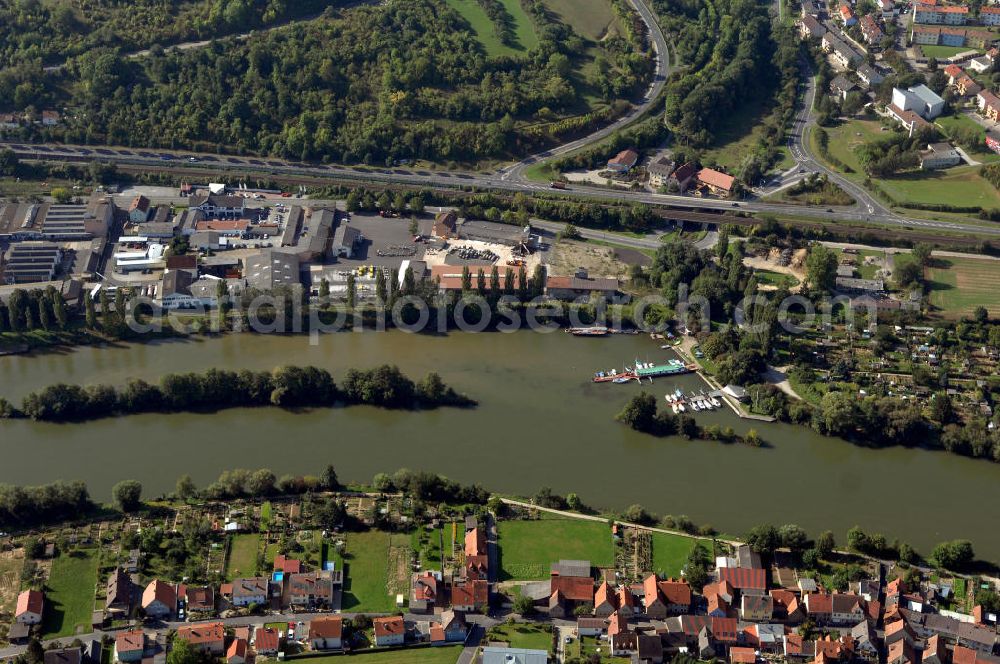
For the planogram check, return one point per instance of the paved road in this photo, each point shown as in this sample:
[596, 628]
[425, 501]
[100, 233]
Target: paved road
[515, 172]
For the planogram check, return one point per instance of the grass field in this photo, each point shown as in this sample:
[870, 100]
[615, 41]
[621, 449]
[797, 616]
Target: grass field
[242, 560]
[592, 19]
[69, 594]
[958, 285]
[960, 186]
[844, 138]
[11, 568]
[366, 572]
[528, 548]
[523, 636]
[441, 655]
[739, 138]
[942, 52]
[769, 278]
[473, 13]
[670, 553]
[948, 123]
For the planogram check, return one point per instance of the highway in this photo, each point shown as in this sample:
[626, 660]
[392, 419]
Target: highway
[513, 178]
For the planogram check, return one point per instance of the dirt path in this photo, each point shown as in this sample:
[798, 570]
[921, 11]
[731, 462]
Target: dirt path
[778, 376]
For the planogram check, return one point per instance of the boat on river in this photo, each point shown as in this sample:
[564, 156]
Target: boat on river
[594, 331]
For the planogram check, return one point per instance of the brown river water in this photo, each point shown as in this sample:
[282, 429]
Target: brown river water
[541, 422]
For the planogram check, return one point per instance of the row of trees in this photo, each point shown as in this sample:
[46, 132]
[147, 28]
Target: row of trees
[285, 387]
[34, 310]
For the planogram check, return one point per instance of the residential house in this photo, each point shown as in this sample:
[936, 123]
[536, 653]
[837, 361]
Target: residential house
[742, 656]
[940, 14]
[425, 592]
[65, 656]
[786, 606]
[841, 52]
[200, 599]
[847, 15]
[624, 161]
[267, 641]
[841, 86]
[980, 638]
[605, 600]
[569, 592]
[868, 75]
[159, 599]
[967, 87]
[30, 606]
[389, 631]
[888, 9]
[865, 645]
[326, 633]
[898, 630]
[798, 648]
[454, 626]
[989, 105]
[311, 590]
[118, 592]
[586, 626]
[627, 604]
[810, 27]
[237, 652]
[980, 64]
[902, 652]
[50, 118]
[870, 30]
[205, 637]
[649, 649]
[716, 182]
[130, 645]
[934, 651]
[989, 15]
[661, 168]
[766, 637]
[719, 597]
[681, 178]
[819, 606]
[939, 155]
[846, 609]
[245, 592]
[493, 655]
[470, 596]
[756, 607]
[622, 640]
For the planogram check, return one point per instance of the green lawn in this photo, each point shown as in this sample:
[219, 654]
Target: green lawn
[961, 186]
[739, 138]
[948, 123]
[670, 553]
[528, 548]
[942, 52]
[440, 655]
[584, 647]
[592, 19]
[69, 594]
[365, 567]
[473, 13]
[242, 560]
[769, 278]
[958, 285]
[845, 137]
[522, 635]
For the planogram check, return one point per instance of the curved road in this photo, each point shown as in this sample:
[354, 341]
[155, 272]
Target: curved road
[661, 51]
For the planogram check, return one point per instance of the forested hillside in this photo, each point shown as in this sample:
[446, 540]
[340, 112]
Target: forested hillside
[374, 84]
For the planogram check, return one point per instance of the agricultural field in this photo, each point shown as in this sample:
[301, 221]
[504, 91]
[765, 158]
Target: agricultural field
[670, 553]
[476, 17]
[242, 559]
[957, 286]
[11, 566]
[441, 655]
[366, 565]
[528, 548]
[960, 186]
[69, 593]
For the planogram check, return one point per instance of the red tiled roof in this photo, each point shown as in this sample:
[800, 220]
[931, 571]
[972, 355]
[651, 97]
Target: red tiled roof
[326, 628]
[742, 655]
[716, 179]
[266, 640]
[130, 641]
[389, 625]
[287, 565]
[202, 633]
[158, 591]
[626, 157]
[676, 592]
[238, 648]
[573, 588]
[742, 578]
[725, 630]
[222, 225]
[475, 539]
[604, 595]
[30, 601]
[471, 593]
[954, 70]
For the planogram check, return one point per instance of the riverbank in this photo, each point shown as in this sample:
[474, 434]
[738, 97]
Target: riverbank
[539, 411]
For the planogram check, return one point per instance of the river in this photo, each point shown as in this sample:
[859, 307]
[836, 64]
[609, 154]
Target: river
[541, 422]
